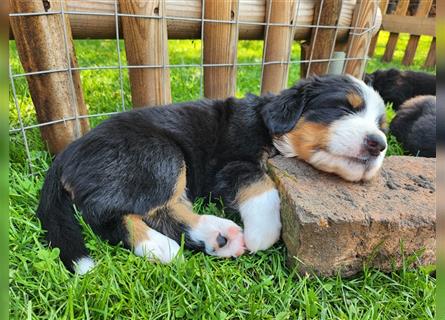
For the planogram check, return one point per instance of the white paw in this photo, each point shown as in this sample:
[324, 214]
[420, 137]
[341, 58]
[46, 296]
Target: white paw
[158, 247]
[222, 237]
[261, 217]
[83, 265]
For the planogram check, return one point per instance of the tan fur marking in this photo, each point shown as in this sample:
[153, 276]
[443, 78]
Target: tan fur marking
[137, 229]
[183, 212]
[307, 137]
[254, 189]
[178, 193]
[181, 183]
[179, 207]
[355, 100]
[383, 124]
[68, 188]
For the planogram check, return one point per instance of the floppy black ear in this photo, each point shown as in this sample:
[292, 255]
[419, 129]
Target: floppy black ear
[282, 113]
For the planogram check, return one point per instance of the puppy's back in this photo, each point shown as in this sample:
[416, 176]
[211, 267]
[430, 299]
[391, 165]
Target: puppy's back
[415, 126]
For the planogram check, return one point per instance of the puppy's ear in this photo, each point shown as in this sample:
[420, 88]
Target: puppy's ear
[282, 112]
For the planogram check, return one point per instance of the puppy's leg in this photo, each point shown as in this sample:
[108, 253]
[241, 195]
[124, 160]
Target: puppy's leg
[247, 188]
[147, 242]
[213, 235]
[136, 235]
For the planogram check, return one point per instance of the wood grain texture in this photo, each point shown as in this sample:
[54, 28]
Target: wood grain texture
[364, 17]
[383, 5]
[220, 44]
[103, 27]
[401, 10]
[410, 51]
[322, 39]
[430, 60]
[278, 45]
[146, 43]
[412, 25]
[41, 46]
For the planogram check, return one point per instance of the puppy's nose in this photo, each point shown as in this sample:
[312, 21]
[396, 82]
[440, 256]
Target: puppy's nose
[375, 144]
[221, 240]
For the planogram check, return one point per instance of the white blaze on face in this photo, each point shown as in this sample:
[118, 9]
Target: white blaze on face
[345, 153]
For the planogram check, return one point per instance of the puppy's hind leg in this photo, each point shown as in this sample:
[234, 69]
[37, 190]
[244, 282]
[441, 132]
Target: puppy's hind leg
[213, 235]
[149, 243]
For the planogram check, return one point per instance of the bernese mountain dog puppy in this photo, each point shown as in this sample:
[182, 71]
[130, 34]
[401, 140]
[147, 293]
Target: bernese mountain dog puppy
[396, 86]
[414, 126]
[135, 176]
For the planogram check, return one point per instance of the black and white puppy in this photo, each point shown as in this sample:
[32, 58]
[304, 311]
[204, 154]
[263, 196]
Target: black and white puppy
[135, 176]
[396, 86]
[414, 126]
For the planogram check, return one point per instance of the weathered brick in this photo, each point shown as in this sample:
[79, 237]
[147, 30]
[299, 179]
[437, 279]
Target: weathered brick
[331, 225]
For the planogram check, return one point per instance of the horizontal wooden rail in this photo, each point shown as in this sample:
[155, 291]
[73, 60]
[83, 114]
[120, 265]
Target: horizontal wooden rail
[95, 19]
[408, 24]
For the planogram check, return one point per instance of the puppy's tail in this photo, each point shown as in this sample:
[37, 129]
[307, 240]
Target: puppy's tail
[57, 216]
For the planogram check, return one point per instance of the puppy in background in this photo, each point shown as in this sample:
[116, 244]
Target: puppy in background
[397, 86]
[415, 126]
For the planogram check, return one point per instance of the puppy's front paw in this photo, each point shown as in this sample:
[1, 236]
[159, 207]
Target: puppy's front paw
[221, 237]
[261, 237]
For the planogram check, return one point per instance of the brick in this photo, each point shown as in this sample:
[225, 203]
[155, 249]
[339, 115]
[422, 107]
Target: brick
[333, 226]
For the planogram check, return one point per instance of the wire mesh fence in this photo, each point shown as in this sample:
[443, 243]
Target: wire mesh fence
[346, 24]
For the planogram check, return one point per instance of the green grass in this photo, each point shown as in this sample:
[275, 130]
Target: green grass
[124, 286]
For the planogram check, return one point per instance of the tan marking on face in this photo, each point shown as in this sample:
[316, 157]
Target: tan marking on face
[254, 189]
[355, 100]
[383, 124]
[308, 137]
[137, 229]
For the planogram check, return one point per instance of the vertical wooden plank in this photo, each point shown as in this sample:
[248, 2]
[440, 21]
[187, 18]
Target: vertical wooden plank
[278, 45]
[146, 44]
[220, 41]
[431, 57]
[401, 10]
[383, 7]
[364, 17]
[322, 39]
[410, 51]
[41, 47]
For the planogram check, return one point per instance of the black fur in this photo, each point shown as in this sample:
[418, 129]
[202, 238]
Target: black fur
[129, 164]
[396, 86]
[415, 126]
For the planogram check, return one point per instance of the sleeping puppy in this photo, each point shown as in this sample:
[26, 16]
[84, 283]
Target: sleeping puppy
[414, 126]
[397, 86]
[135, 176]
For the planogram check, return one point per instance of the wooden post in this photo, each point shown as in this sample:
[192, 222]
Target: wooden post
[146, 44]
[411, 47]
[401, 10]
[322, 39]
[220, 41]
[383, 7]
[41, 47]
[431, 58]
[364, 17]
[277, 45]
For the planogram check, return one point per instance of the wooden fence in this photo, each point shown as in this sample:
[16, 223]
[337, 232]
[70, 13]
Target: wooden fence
[416, 18]
[44, 31]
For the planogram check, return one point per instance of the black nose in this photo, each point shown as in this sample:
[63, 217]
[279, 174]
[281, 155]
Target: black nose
[221, 241]
[375, 144]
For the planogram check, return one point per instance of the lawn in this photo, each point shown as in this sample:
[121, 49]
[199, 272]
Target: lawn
[124, 286]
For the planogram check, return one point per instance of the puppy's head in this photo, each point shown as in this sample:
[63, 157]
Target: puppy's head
[335, 123]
